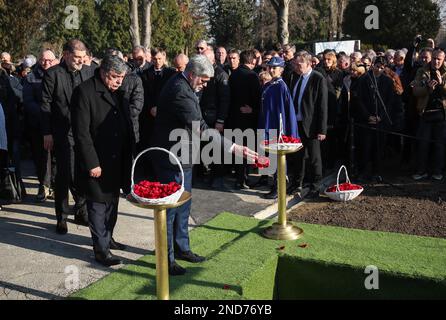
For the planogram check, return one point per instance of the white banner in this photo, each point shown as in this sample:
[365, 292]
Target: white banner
[348, 47]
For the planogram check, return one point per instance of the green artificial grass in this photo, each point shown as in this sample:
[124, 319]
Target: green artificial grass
[241, 264]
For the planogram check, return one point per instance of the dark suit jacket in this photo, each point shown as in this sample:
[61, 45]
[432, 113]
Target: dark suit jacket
[56, 96]
[134, 94]
[178, 107]
[314, 105]
[153, 85]
[245, 90]
[216, 97]
[102, 131]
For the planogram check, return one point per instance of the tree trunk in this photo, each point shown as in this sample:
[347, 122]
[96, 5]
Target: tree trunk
[147, 23]
[342, 4]
[282, 10]
[332, 21]
[134, 23]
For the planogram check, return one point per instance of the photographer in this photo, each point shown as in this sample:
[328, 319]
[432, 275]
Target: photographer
[430, 89]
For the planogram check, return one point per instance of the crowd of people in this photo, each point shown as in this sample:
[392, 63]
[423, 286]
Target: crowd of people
[62, 107]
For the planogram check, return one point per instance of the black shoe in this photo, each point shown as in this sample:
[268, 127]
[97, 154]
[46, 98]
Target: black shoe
[81, 219]
[271, 195]
[116, 245]
[241, 186]
[313, 194]
[263, 181]
[61, 227]
[176, 270]
[189, 256]
[107, 260]
[42, 194]
[293, 189]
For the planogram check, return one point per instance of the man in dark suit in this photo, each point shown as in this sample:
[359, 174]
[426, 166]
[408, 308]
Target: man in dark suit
[179, 109]
[214, 105]
[103, 133]
[153, 80]
[245, 89]
[58, 85]
[32, 100]
[310, 97]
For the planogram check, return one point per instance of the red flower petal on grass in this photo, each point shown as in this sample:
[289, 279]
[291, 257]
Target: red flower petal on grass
[226, 287]
[303, 245]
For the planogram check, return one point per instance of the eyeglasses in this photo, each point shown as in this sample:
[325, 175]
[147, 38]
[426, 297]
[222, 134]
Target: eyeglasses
[200, 48]
[47, 60]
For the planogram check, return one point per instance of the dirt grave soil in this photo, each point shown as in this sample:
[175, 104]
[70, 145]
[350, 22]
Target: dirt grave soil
[398, 204]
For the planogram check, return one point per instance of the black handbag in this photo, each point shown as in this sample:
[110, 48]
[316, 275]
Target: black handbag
[11, 187]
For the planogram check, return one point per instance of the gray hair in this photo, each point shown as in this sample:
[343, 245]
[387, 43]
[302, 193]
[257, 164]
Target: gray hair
[304, 55]
[400, 53]
[200, 66]
[138, 48]
[390, 52]
[113, 63]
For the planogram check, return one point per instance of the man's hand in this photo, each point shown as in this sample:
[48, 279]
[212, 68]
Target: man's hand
[48, 142]
[246, 109]
[374, 120]
[153, 112]
[245, 152]
[321, 137]
[432, 84]
[96, 172]
[220, 127]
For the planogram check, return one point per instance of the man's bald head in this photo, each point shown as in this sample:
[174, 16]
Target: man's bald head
[47, 59]
[180, 62]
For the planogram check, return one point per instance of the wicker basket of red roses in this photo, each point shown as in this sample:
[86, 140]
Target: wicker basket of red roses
[345, 191]
[285, 143]
[154, 192]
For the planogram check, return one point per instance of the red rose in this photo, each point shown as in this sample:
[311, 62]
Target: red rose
[155, 189]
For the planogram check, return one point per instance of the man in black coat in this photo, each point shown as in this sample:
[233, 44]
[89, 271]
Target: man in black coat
[310, 96]
[179, 109]
[32, 101]
[153, 79]
[245, 104]
[214, 103]
[377, 109]
[58, 85]
[102, 130]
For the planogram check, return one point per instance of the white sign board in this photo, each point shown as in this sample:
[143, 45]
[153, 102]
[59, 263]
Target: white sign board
[347, 46]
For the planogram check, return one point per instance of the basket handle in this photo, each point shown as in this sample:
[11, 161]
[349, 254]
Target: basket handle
[158, 149]
[339, 173]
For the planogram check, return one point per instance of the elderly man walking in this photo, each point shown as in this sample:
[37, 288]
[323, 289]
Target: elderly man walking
[102, 130]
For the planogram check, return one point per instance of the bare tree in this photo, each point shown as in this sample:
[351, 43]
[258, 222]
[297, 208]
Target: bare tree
[282, 10]
[134, 23]
[336, 17]
[147, 23]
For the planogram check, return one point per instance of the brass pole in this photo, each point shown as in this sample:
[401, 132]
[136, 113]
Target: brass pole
[281, 187]
[282, 229]
[162, 268]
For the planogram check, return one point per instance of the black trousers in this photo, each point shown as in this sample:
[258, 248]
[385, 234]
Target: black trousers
[371, 146]
[102, 217]
[297, 161]
[65, 167]
[44, 161]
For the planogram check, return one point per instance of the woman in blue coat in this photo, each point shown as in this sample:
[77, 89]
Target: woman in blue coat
[277, 103]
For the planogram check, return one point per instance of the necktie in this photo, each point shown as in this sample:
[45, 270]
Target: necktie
[296, 94]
